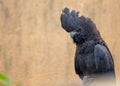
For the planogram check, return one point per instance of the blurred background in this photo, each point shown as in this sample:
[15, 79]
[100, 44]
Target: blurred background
[36, 51]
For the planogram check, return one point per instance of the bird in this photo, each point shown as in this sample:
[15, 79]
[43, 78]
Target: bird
[93, 61]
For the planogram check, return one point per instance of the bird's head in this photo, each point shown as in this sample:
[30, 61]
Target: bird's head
[79, 27]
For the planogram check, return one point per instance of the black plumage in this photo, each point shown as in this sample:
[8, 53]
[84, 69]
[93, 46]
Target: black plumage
[92, 54]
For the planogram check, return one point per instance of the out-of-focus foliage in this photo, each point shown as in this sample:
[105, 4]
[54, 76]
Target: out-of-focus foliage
[4, 80]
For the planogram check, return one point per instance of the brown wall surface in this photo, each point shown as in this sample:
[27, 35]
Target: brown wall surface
[36, 51]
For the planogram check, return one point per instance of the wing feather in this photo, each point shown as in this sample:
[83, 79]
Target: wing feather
[103, 59]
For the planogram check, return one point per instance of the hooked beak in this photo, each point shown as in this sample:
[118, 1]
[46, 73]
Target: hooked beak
[72, 33]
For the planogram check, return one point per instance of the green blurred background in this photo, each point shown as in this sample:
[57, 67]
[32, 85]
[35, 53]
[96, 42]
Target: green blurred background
[36, 51]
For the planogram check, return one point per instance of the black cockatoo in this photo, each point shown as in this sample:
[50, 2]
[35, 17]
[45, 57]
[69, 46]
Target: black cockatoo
[93, 60]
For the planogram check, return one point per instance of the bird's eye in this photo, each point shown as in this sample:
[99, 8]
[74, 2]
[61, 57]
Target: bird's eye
[79, 29]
